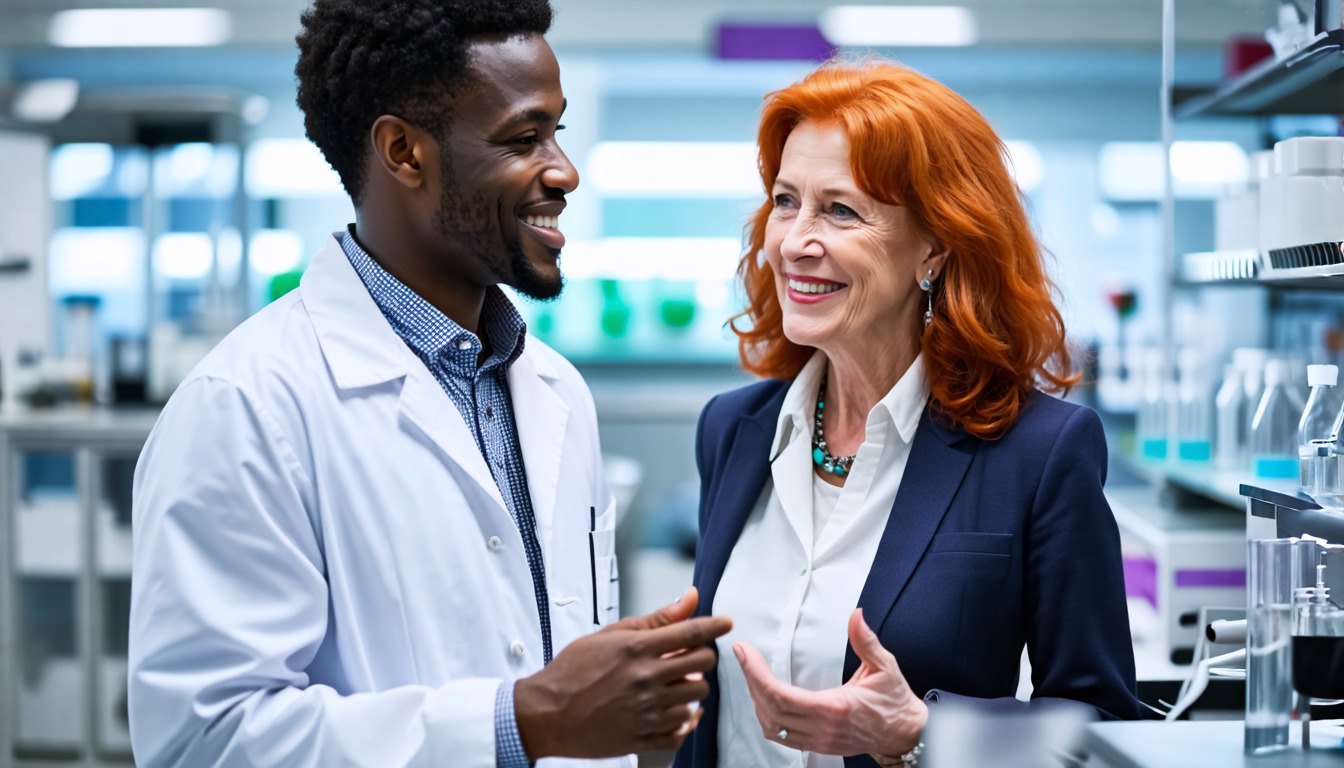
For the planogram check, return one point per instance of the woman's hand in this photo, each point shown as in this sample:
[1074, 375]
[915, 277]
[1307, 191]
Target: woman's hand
[874, 713]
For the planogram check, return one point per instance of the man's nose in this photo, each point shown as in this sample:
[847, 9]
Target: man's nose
[560, 173]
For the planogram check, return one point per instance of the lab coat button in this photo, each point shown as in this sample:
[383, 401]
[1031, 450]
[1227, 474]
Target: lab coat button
[495, 542]
[517, 648]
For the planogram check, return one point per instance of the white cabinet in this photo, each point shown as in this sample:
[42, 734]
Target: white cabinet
[65, 506]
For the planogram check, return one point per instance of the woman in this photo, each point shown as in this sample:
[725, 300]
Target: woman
[901, 457]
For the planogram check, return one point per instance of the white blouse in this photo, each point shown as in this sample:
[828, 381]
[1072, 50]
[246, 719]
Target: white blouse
[796, 572]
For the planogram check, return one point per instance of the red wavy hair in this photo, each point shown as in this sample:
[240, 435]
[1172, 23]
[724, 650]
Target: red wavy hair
[996, 333]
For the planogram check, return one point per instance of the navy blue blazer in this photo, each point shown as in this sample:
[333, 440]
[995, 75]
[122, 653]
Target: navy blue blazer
[991, 544]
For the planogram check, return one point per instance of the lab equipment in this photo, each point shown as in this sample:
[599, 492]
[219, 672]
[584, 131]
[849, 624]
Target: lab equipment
[1230, 420]
[1193, 423]
[1317, 424]
[1318, 641]
[1274, 430]
[1300, 203]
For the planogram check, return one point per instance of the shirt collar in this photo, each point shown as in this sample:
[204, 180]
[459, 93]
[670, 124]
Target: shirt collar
[903, 405]
[432, 335]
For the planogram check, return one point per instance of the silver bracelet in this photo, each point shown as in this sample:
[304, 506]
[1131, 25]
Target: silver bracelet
[911, 758]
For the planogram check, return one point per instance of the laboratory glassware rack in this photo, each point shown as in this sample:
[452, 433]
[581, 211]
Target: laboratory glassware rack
[65, 549]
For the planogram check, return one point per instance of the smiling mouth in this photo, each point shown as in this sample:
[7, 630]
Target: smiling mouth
[814, 289]
[546, 229]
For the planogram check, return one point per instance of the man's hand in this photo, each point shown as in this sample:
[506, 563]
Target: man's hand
[627, 688]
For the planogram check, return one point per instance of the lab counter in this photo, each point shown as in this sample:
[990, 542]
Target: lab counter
[1204, 744]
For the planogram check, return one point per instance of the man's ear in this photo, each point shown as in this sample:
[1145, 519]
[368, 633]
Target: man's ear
[399, 150]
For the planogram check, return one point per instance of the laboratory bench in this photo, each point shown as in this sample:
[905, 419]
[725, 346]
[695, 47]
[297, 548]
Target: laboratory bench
[1204, 744]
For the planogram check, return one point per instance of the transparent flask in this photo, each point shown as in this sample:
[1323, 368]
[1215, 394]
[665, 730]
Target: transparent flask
[1316, 424]
[1274, 429]
[1230, 420]
[1193, 429]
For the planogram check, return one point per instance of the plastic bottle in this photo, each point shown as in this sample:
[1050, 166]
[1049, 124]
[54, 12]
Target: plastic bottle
[1251, 362]
[1230, 421]
[1193, 423]
[1152, 422]
[1317, 423]
[1274, 430]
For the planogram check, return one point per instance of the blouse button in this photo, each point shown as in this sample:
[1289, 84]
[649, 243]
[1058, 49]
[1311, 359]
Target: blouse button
[495, 542]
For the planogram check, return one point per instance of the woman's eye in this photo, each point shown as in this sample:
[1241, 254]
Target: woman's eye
[782, 201]
[842, 210]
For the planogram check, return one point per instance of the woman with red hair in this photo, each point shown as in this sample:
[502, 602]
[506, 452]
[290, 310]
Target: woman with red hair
[902, 456]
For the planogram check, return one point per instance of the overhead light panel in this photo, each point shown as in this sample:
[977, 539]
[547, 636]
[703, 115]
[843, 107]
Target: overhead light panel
[46, 101]
[140, 27]
[675, 169]
[907, 25]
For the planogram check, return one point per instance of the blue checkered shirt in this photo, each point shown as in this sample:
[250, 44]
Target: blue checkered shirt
[481, 394]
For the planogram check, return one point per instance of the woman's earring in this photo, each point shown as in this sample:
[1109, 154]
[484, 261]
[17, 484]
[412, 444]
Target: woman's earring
[927, 285]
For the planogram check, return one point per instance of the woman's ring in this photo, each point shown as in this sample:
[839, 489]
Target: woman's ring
[783, 734]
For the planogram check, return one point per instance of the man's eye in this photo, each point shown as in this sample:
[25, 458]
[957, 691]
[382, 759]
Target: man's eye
[526, 140]
[559, 127]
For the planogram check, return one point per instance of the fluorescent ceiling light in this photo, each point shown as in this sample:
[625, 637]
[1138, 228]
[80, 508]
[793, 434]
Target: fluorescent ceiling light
[96, 260]
[275, 251]
[183, 255]
[669, 258]
[675, 169]
[877, 25]
[1026, 165]
[46, 101]
[1131, 171]
[288, 168]
[140, 27]
[79, 169]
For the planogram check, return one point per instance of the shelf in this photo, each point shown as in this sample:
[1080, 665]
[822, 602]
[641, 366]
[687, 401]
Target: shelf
[1329, 277]
[1222, 487]
[1308, 82]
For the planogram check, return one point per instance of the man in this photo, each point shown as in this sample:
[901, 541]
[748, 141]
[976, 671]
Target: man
[372, 527]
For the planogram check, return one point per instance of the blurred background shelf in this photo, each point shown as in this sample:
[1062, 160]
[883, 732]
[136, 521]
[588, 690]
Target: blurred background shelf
[1308, 82]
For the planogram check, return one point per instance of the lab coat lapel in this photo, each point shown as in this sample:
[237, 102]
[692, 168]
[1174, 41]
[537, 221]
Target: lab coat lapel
[938, 462]
[425, 404]
[736, 495]
[541, 417]
[362, 350]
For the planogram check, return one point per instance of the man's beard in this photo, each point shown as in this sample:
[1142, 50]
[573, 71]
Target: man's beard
[468, 222]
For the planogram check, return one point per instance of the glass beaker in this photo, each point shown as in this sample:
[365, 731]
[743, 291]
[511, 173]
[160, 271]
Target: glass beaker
[1269, 662]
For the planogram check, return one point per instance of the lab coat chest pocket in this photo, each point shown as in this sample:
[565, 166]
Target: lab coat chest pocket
[602, 560]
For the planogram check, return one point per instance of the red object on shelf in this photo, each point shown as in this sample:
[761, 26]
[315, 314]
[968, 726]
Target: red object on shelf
[1242, 53]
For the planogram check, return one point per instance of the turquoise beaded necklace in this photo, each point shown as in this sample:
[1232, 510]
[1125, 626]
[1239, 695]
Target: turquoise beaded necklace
[821, 456]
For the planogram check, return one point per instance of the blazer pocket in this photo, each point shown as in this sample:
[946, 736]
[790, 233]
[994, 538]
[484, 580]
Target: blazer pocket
[971, 543]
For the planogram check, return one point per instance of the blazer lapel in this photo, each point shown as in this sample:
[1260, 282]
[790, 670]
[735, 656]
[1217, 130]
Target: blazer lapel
[735, 496]
[938, 461]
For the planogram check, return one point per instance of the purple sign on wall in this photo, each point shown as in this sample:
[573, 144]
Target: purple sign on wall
[773, 42]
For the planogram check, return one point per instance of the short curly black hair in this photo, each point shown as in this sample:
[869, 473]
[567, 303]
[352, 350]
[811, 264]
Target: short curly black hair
[361, 59]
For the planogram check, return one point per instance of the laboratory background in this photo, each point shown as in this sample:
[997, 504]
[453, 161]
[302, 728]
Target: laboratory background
[1181, 161]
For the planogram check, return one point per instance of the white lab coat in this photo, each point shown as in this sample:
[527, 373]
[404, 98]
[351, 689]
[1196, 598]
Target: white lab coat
[325, 572]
